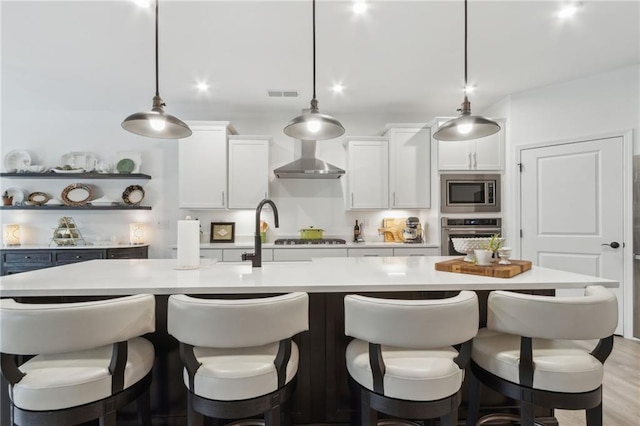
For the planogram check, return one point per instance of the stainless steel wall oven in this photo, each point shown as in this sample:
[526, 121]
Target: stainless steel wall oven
[466, 228]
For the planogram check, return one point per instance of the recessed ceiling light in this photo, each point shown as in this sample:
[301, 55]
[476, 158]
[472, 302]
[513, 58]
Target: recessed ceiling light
[143, 3]
[203, 86]
[360, 7]
[568, 11]
[337, 88]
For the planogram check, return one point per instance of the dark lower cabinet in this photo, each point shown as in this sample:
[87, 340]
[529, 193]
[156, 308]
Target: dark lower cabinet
[322, 395]
[14, 261]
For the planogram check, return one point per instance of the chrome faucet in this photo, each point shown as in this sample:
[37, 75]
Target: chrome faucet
[256, 258]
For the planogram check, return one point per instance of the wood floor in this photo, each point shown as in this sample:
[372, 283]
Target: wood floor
[621, 388]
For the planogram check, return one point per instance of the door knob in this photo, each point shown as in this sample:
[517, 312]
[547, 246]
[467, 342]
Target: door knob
[613, 244]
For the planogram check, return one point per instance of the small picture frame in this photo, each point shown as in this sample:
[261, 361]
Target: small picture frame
[223, 232]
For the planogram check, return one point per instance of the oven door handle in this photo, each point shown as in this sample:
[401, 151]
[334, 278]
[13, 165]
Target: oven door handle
[453, 231]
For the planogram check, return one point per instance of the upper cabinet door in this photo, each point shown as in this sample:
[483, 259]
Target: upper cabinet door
[477, 154]
[367, 173]
[409, 166]
[248, 171]
[202, 166]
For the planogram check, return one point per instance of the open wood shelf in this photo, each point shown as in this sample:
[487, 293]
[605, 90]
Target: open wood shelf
[53, 175]
[43, 208]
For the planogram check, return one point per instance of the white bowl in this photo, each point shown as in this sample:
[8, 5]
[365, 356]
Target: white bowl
[468, 245]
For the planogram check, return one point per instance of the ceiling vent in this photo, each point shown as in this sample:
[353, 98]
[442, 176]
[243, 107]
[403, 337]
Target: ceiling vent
[283, 93]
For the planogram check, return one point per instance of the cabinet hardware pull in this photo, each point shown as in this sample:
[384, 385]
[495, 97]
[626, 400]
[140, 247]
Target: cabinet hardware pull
[223, 198]
[475, 161]
[469, 160]
[352, 199]
[417, 254]
[27, 257]
[78, 257]
[394, 199]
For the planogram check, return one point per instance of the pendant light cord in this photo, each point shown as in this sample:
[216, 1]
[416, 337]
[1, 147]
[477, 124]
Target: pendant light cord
[157, 85]
[314, 48]
[465, 48]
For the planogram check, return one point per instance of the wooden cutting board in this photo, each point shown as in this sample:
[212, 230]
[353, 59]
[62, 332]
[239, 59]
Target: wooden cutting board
[393, 229]
[495, 270]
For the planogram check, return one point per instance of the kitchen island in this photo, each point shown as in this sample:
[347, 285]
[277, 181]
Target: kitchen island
[322, 395]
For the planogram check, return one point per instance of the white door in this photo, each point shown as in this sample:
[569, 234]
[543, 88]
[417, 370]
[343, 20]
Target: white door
[572, 209]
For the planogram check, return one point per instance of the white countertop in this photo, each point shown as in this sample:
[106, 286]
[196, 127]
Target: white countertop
[323, 275]
[78, 247]
[348, 245]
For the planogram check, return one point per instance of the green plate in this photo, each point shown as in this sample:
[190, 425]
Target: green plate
[126, 165]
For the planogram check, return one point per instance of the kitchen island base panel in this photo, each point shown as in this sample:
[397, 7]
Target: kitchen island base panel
[322, 395]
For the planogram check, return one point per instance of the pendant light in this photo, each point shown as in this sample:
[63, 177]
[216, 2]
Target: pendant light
[466, 126]
[156, 123]
[311, 124]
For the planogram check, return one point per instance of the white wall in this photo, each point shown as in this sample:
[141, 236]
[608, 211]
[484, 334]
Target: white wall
[599, 104]
[301, 203]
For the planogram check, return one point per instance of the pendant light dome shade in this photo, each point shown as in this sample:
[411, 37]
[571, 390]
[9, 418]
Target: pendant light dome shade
[156, 123]
[466, 126]
[311, 125]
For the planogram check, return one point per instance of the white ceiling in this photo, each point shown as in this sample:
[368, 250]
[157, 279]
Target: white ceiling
[402, 56]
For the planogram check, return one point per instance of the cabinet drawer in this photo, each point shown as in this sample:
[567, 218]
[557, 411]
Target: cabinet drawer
[27, 257]
[370, 252]
[78, 255]
[128, 253]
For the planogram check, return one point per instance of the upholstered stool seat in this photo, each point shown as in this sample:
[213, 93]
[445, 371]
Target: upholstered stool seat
[87, 359]
[560, 365]
[57, 381]
[239, 357]
[408, 356]
[415, 375]
[540, 351]
[239, 373]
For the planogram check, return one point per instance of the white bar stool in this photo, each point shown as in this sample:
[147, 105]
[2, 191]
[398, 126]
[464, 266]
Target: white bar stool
[89, 359]
[239, 358]
[531, 352]
[408, 356]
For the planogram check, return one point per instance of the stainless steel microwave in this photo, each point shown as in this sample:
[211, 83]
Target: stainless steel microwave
[470, 193]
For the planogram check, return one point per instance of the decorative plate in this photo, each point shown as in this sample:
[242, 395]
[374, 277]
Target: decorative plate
[38, 198]
[133, 195]
[126, 165]
[77, 194]
[67, 171]
[17, 160]
[135, 156]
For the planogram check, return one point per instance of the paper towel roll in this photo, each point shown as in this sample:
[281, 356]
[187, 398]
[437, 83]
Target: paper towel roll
[188, 243]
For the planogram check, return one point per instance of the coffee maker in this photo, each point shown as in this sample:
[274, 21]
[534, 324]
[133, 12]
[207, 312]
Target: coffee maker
[412, 232]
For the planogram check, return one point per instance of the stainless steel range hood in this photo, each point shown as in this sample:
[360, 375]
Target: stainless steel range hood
[308, 166]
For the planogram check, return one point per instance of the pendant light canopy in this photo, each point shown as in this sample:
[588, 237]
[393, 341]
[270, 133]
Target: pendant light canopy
[466, 126]
[156, 123]
[311, 124]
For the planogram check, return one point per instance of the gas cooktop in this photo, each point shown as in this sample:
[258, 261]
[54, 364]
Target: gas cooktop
[296, 241]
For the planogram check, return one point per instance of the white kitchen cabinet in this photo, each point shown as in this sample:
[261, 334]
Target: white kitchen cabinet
[248, 170]
[370, 252]
[235, 255]
[306, 254]
[477, 154]
[205, 253]
[416, 251]
[409, 166]
[202, 166]
[367, 173]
